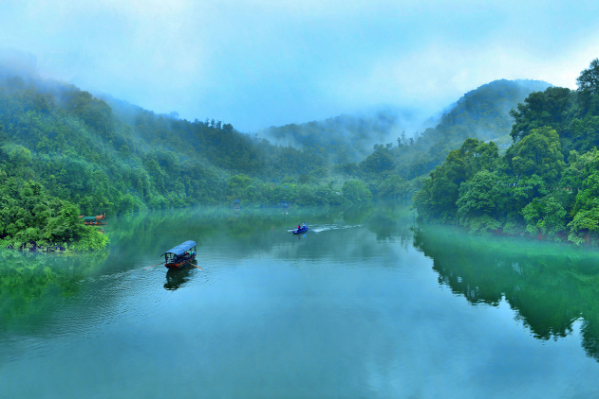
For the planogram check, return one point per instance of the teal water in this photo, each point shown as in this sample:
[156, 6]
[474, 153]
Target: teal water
[362, 306]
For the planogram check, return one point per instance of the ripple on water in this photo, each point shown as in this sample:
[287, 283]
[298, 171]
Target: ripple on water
[319, 228]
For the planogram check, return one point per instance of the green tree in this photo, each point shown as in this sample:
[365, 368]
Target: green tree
[237, 186]
[538, 153]
[482, 202]
[588, 84]
[545, 215]
[357, 192]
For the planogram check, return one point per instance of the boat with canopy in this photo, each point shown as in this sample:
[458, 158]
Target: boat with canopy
[181, 255]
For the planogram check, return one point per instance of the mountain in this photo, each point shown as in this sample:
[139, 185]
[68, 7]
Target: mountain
[483, 113]
[344, 138]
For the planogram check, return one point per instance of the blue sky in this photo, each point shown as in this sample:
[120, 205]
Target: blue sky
[262, 63]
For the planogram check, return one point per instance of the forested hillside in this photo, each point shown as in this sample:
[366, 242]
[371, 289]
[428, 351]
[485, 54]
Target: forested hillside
[395, 170]
[341, 139]
[547, 183]
[483, 113]
[103, 155]
[82, 151]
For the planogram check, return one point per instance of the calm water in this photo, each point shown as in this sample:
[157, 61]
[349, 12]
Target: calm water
[361, 306]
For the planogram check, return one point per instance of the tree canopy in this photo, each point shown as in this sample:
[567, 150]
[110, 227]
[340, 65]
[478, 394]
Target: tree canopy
[546, 184]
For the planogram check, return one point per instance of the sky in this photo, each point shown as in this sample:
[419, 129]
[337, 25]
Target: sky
[260, 63]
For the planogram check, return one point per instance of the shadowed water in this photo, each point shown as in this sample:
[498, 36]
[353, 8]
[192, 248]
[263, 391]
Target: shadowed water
[363, 305]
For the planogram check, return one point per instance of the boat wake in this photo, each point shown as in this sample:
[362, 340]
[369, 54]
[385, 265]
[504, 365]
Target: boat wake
[326, 227]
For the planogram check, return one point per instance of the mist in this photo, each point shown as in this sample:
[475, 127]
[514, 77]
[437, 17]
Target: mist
[258, 64]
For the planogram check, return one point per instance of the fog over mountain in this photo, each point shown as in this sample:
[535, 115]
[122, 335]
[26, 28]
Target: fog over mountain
[259, 63]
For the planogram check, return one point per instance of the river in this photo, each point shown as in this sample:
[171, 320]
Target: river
[364, 305]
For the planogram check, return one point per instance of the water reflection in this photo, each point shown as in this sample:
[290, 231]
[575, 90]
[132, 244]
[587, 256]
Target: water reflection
[550, 286]
[175, 278]
[27, 280]
[353, 298]
[30, 283]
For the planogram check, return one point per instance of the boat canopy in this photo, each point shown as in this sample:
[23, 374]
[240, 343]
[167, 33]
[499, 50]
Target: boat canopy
[181, 248]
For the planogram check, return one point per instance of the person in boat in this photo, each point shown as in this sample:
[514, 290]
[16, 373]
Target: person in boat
[299, 227]
[304, 226]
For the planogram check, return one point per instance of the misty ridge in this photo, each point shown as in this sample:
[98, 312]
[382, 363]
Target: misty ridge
[379, 143]
[352, 137]
[482, 113]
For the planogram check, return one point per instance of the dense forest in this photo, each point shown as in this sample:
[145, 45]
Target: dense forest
[64, 151]
[547, 182]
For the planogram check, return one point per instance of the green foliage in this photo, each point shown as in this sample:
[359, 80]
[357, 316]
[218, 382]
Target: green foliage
[437, 200]
[304, 179]
[396, 187]
[380, 161]
[532, 188]
[546, 216]
[552, 108]
[237, 187]
[538, 153]
[482, 201]
[31, 218]
[357, 192]
[107, 156]
[588, 87]
[112, 157]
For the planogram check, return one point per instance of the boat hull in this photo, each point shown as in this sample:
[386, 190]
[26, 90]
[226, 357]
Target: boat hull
[180, 264]
[300, 231]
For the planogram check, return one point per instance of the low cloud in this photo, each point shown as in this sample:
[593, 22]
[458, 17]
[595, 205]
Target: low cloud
[260, 63]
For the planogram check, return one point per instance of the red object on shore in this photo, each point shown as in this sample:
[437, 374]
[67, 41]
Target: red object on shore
[93, 220]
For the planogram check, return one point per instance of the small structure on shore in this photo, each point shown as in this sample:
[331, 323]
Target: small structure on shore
[237, 204]
[93, 220]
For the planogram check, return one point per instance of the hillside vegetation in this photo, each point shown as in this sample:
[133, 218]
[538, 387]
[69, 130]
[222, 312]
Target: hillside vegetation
[547, 183]
[83, 154]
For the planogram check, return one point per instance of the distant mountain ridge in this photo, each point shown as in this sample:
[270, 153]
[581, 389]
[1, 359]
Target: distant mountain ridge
[482, 113]
[485, 110]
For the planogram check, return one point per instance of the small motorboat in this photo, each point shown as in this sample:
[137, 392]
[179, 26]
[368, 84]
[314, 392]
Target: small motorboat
[300, 231]
[180, 256]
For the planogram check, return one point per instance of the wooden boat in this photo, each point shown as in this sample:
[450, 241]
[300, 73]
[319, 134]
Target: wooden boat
[300, 231]
[180, 256]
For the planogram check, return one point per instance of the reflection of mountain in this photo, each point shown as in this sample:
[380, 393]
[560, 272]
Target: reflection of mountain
[550, 286]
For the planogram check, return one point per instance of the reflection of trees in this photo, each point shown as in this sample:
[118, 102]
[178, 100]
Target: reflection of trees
[357, 215]
[550, 286]
[390, 221]
[28, 280]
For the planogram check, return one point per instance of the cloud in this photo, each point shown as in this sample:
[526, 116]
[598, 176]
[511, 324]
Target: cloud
[262, 63]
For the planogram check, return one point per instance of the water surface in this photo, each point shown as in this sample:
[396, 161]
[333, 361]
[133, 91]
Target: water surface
[363, 305]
